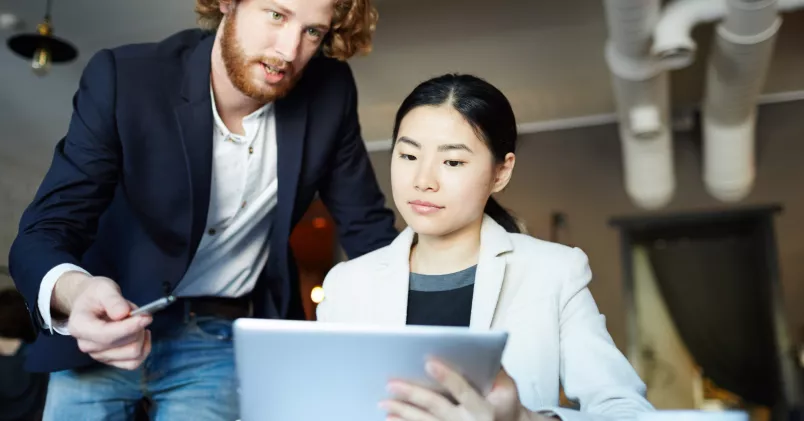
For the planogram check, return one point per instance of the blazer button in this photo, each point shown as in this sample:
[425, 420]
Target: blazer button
[211, 231]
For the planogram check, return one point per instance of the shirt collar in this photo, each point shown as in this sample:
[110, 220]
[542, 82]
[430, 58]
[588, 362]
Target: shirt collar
[250, 121]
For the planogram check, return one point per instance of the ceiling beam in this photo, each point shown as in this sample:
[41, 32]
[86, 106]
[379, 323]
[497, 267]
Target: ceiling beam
[591, 120]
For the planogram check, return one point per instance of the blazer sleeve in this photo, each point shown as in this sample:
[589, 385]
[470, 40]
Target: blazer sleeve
[60, 223]
[327, 310]
[351, 192]
[593, 371]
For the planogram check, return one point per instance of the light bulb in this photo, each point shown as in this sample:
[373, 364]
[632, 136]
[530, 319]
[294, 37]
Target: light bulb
[317, 294]
[41, 61]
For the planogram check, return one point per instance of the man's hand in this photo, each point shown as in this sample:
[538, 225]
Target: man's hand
[98, 317]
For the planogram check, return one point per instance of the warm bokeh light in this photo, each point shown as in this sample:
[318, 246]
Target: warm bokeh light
[317, 294]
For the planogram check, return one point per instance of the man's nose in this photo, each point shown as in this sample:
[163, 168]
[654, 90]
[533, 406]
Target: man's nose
[287, 45]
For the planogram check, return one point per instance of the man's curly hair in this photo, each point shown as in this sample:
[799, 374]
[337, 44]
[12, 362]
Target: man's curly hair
[353, 25]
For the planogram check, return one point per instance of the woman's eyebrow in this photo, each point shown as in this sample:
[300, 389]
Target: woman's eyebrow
[453, 147]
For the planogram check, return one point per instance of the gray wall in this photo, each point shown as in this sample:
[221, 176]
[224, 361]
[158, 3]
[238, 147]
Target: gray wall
[579, 172]
[18, 184]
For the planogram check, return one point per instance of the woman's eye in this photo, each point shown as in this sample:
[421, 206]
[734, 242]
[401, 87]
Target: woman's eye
[276, 15]
[453, 163]
[407, 157]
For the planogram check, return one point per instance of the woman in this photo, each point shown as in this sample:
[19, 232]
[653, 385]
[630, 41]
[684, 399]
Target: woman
[463, 262]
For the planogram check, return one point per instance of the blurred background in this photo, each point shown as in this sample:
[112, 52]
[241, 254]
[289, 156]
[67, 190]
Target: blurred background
[674, 163]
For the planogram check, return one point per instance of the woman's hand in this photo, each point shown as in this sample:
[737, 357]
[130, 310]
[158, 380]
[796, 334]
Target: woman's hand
[414, 403]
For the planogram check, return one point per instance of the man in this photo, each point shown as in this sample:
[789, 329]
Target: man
[185, 167]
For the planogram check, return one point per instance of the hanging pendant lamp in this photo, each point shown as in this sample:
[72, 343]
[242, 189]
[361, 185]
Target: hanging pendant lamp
[42, 48]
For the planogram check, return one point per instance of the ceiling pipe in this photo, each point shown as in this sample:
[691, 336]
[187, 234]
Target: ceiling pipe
[641, 91]
[672, 38]
[736, 70]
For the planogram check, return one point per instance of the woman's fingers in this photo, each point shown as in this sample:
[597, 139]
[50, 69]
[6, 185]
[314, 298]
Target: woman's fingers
[437, 405]
[398, 410]
[458, 387]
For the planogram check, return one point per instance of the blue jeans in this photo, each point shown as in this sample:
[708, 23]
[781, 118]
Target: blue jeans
[189, 375]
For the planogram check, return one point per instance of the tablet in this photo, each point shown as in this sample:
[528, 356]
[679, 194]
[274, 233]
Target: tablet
[301, 370]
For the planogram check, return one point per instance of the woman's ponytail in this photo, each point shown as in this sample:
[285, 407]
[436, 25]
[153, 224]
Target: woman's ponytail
[501, 216]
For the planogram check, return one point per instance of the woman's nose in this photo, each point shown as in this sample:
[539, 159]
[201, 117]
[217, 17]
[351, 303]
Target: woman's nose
[426, 179]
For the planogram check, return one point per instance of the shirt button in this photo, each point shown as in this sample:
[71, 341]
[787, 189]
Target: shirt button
[250, 150]
[211, 231]
[243, 205]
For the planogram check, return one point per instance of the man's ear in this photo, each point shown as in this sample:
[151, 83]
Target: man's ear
[226, 6]
[504, 172]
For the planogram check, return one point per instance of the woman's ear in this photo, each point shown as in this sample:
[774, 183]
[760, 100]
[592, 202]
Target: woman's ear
[504, 172]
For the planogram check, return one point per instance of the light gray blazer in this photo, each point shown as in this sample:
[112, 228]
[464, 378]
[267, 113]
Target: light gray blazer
[535, 290]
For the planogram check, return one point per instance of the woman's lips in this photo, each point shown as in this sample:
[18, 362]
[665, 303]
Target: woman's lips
[424, 208]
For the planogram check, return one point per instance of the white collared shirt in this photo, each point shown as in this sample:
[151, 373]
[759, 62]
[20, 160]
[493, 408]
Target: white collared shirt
[235, 246]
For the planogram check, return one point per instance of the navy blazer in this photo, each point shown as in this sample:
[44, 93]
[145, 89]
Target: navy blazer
[128, 189]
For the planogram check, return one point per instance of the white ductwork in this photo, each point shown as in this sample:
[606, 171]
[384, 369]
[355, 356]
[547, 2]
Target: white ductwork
[672, 39]
[644, 46]
[641, 93]
[736, 70]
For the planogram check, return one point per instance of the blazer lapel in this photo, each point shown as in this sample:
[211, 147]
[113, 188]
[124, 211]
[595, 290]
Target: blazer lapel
[490, 274]
[291, 122]
[194, 117]
[393, 282]
[390, 294]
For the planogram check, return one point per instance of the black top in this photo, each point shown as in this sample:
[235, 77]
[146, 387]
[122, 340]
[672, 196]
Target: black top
[441, 300]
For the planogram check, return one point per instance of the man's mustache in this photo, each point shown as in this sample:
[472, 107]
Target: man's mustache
[278, 64]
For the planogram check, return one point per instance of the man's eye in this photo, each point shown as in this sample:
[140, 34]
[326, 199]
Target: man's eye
[276, 15]
[407, 157]
[453, 163]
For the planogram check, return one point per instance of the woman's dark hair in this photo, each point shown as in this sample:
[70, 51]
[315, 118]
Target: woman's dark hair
[485, 108]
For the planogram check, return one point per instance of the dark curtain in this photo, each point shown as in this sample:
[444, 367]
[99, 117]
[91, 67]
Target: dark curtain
[714, 281]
